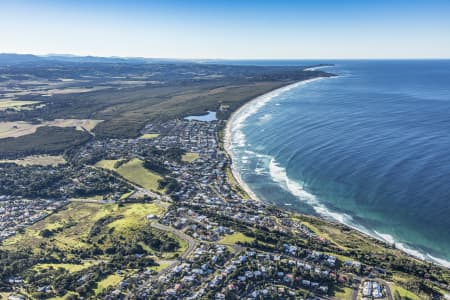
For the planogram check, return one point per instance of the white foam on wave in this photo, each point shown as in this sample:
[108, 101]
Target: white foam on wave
[385, 237]
[391, 240]
[439, 261]
[413, 252]
[280, 176]
[260, 171]
[234, 137]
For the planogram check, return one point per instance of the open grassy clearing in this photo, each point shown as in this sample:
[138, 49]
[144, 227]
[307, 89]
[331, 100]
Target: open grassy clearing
[65, 91]
[134, 171]
[108, 164]
[112, 280]
[126, 195]
[71, 268]
[235, 238]
[190, 157]
[135, 215]
[343, 293]
[148, 136]
[404, 294]
[37, 160]
[162, 264]
[21, 128]
[16, 104]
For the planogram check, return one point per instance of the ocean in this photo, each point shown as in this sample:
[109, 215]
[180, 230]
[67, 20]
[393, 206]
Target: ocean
[369, 148]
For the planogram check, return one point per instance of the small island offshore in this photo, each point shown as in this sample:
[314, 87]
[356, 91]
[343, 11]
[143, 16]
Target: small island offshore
[116, 184]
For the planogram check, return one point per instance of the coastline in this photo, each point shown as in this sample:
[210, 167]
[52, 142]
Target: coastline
[237, 116]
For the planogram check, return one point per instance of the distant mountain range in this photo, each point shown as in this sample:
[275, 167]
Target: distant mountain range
[13, 58]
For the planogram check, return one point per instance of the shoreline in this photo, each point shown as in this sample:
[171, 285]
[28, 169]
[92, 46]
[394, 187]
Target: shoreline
[262, 100]
[228, 128]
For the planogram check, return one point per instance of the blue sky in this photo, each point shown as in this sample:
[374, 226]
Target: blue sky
[228, 29]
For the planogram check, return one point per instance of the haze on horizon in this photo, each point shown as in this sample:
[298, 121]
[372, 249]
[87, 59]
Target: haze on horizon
[228, 29]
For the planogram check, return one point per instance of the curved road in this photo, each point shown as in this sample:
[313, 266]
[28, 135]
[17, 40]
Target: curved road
[192, 244]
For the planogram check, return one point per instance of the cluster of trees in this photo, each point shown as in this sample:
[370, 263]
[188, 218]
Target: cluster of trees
[173, 154]
[47, 181]
[46, 140]
[170, 184]
[156, 166]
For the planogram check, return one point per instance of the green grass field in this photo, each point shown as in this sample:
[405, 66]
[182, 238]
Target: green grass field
[111, 280]
[135, 215]
[107, 164]
[134, 172]
[69, 267]
[126, 195]
[190, 157]
[236, 237]
[404, 294]
[343, 293]
[162, 264]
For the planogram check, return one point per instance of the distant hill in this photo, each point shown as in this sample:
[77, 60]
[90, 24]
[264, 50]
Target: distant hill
[14, 59]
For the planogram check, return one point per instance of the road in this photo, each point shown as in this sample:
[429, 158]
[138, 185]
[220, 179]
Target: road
[192, 244]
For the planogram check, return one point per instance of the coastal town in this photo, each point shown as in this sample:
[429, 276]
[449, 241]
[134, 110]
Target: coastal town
[235, 247]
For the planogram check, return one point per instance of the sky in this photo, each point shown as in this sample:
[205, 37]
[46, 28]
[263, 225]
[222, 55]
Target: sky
[218, 29]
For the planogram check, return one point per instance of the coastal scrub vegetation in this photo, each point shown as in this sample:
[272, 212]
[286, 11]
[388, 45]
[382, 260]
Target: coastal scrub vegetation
[87, 245]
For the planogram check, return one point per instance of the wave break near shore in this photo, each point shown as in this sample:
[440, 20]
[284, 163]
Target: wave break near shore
[235, 138]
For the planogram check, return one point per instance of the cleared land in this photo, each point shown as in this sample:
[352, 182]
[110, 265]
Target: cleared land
[16, 105]
[190, 157]
[149, 136]
[404, 294]
[20, 128]
[37, 160]
[69, 267]
[111, 280]
[344, 293]
[235, 238]
[134, 171]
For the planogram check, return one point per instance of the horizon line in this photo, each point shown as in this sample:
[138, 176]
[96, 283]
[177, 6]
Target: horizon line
[226, 59]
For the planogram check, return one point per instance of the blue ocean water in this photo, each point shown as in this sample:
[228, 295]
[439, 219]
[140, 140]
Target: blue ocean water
[370, 148]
